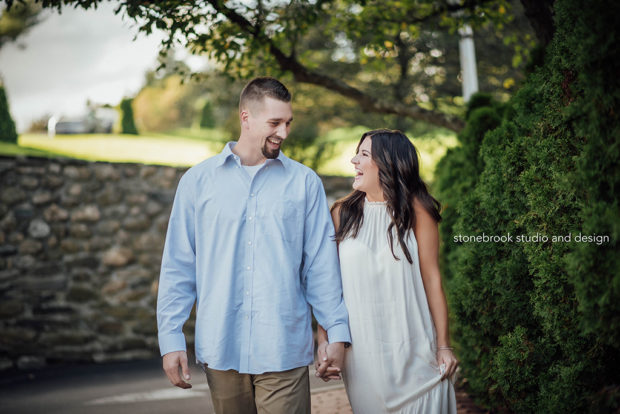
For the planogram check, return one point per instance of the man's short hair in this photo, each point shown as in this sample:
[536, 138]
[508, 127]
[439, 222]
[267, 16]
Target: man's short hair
[258, 88]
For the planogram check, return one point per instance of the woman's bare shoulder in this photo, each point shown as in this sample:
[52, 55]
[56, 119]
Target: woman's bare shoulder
[422, 216]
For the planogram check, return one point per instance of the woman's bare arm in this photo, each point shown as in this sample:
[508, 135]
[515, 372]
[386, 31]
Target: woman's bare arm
[427, 236]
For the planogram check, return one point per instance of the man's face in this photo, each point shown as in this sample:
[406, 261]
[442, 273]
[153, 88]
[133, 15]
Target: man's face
[269, 123]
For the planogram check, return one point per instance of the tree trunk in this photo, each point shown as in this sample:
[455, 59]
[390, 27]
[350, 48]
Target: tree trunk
[540, 15]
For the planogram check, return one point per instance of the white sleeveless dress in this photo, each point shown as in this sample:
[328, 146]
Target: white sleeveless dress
[391, 366]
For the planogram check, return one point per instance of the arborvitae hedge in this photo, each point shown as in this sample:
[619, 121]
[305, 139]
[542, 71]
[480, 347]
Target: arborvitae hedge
[207, 119]
[7, 126]
[538, 323]
[128, 125]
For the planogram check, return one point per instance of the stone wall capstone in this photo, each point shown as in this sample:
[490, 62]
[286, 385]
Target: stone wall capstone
[80, 252]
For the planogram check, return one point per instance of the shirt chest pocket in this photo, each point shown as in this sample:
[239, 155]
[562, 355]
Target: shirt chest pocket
[283, 220]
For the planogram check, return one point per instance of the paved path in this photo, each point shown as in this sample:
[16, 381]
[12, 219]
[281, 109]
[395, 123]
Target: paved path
[139, 388]
[331, 401]
[130, 387]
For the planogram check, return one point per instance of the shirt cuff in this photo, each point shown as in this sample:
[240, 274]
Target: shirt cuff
[339, 333]
[171, 342]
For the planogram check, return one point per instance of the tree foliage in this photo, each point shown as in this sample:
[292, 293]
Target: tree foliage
[17, 20]
[387, 56]
[167, 104]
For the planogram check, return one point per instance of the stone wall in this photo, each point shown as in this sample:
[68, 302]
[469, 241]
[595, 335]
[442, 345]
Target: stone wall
[80, 250]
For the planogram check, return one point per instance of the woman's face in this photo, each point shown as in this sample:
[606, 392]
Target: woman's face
[366, 171]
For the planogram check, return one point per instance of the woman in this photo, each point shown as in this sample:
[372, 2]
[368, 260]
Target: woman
[388, 241]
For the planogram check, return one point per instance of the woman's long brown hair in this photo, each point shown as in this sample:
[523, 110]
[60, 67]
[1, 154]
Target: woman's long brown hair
[399, 176]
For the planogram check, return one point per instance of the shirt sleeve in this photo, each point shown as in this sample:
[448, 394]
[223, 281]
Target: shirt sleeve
[321, 270]
[177, 280]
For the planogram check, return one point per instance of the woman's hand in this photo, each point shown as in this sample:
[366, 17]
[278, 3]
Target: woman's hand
[446, 358]
[323, 364]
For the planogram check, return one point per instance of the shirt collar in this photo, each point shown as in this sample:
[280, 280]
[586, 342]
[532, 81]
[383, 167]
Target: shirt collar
[227, 153]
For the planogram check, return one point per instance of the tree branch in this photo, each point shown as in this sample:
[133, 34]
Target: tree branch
[304, 75]
[367, 102]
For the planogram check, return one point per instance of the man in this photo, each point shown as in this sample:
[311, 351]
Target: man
[249, 241]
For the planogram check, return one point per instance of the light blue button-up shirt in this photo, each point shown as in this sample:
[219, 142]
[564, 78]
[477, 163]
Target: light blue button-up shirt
[256, 255]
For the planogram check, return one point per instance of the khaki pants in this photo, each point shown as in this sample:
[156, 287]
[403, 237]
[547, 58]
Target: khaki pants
[286, 392]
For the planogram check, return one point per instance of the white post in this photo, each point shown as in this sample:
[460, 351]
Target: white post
[467, 53]
[51, 126]
[468, 62]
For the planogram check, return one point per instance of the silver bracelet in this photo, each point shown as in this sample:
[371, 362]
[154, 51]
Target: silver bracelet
[446, 347]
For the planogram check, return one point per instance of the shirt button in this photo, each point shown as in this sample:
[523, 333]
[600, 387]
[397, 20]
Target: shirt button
[247, 292]
[250, 243]
[250, 218]
[252, 195]
[247, 268]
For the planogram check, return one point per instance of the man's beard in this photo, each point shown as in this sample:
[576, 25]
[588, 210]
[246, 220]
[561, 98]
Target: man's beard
[271, 153]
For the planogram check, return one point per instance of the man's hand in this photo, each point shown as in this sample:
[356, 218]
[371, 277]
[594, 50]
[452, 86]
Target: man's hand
[321, 356]
[172, 362]
[331, 361]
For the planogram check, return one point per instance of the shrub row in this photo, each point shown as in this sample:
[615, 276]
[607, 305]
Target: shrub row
[537, 324]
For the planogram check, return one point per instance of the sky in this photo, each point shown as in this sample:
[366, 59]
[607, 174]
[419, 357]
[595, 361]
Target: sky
[75, 56]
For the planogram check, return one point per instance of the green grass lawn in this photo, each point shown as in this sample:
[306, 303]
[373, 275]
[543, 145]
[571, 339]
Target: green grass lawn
[148, 149]
[14, 149]
[188, 147]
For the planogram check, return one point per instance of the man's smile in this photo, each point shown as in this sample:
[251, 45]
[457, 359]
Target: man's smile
[275, 141]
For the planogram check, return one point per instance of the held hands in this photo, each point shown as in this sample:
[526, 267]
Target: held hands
[172, 362]
[447, 363]
[330, 359]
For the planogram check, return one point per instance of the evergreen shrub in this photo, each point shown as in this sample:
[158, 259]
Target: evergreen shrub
[7, 126]
[207, 119]
[128, 125]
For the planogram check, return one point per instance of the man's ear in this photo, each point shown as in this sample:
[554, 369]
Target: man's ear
[244, 116]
